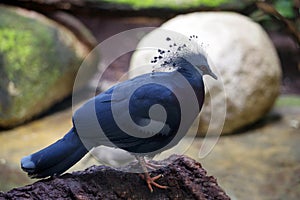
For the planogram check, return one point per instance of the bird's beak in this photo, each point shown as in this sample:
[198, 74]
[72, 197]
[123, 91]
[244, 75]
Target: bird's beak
[213, 75]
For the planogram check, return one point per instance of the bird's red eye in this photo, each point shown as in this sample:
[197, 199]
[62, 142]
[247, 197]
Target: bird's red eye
[202, 68]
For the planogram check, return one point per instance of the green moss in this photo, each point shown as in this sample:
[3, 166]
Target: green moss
[34, 58]
[288, 101]
[181, 4]
[285, 8]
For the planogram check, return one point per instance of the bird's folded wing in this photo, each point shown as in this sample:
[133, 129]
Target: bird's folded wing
[135, 104]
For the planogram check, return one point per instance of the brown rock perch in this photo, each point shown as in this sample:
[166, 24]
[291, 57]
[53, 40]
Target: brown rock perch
[185, 178]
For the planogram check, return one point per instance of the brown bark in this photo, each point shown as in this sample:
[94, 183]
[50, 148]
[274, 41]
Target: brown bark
[184, 176]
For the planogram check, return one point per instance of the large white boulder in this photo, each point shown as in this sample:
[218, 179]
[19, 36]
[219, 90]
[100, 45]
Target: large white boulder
[243, 56]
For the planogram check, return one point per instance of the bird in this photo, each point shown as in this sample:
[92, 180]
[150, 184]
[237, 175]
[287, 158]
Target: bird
[160, 108]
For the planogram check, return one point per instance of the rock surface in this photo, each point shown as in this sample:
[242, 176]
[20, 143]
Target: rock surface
[185, 178]
[39, 60]
[242, 55]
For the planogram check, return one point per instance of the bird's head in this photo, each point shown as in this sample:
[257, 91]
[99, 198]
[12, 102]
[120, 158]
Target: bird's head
[189, 51]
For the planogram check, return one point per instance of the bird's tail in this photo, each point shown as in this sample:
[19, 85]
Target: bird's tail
[56, 158]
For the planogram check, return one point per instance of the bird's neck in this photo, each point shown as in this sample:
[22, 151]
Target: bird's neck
[194, 78]
[188, 70]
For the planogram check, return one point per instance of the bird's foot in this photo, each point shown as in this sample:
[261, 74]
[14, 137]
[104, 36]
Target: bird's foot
[151, 181]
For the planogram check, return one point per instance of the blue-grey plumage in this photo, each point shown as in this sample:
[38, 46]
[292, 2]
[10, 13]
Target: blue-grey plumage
[58, 157]
[140, 102]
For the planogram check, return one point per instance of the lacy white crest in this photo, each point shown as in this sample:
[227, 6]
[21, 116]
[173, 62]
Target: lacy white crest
[183, 47]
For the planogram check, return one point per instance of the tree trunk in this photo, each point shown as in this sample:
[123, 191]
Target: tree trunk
[185, 178]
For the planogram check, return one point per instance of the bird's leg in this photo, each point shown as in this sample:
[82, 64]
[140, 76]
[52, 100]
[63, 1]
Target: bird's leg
[150, 181]
[152, 166]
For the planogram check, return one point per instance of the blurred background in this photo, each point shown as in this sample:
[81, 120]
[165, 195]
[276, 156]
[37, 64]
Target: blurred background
[253, 44]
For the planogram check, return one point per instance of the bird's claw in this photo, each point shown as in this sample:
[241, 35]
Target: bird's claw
[151, 181]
